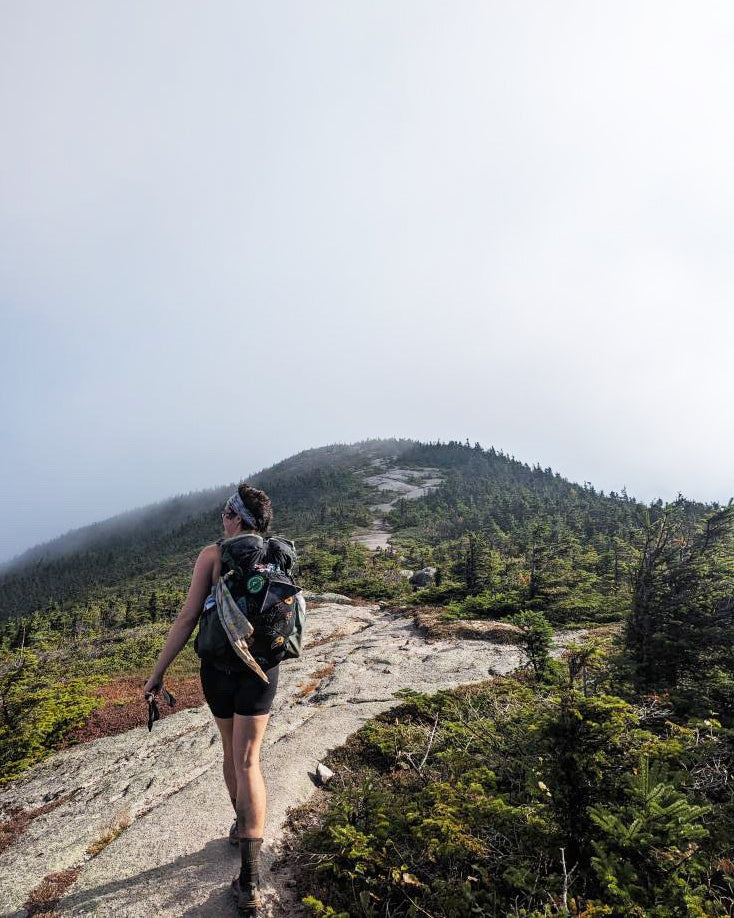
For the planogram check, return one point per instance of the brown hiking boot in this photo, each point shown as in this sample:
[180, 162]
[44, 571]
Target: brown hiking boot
[234, 838]
[248, 897]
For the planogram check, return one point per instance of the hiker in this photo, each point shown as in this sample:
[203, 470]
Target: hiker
[240, 700]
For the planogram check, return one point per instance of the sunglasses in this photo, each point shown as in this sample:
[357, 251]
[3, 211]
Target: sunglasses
[229, 514]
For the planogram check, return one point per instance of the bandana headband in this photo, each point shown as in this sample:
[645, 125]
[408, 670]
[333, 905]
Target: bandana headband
[235, 503]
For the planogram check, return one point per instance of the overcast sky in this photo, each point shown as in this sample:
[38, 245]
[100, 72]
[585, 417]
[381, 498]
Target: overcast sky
[231, 231]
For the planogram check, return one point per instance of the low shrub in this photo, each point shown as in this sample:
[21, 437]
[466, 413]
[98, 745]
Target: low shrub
[484, 605]
[37, 711]
[503, 799]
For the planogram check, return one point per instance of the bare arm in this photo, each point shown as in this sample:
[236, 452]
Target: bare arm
[186, 620]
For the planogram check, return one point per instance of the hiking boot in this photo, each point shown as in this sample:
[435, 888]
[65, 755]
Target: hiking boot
[248, 897]
[234, 838]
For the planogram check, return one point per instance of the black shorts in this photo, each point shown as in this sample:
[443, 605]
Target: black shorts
[233, 692]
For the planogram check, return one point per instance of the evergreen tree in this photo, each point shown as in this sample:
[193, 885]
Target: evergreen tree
[480, 564]
[646, 847]
[681, 626]
[153, 606]
[536, 639]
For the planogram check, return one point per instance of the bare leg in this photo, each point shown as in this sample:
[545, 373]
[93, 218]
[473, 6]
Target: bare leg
[230, 778]
[247, 737]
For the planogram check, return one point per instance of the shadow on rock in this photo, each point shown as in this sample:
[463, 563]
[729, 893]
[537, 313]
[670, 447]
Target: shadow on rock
[220, 902]
[169, 889]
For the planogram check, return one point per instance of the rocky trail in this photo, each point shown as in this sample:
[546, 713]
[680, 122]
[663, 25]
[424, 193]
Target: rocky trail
[404, 484]
[162, 795]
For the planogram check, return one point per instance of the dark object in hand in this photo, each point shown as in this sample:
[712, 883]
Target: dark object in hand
[153, 711]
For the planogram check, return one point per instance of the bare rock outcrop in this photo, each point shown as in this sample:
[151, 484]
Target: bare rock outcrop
[314, 598]
[403, 484]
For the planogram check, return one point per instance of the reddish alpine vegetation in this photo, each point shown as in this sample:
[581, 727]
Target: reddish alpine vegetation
[14, 819]
[123, 707]
[46, 896]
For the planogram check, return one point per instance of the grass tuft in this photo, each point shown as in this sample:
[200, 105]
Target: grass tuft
[116, 826]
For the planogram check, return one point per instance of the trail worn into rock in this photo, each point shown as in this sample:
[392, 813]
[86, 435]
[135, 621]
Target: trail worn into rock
[174, 858]
[405, 484]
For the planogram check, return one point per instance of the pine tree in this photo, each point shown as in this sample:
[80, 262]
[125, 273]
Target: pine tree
[681, 625]
[648, 843]
[480, 564]
[536, 639]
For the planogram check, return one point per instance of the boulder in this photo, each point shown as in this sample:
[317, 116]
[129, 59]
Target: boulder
[423, 577]
[313, 598]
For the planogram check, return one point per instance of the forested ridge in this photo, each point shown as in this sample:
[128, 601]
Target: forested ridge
[507, 537]
[314, 491]
[516, 509]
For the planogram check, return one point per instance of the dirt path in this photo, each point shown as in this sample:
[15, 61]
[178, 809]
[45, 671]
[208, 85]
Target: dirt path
[404, 484]
[174, 858]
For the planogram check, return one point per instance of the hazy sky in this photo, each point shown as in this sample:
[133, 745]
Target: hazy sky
[230, 231]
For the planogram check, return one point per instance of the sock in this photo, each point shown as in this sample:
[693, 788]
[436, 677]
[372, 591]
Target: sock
[250, 855]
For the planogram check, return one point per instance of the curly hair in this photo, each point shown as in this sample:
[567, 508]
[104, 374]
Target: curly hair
[258, 503]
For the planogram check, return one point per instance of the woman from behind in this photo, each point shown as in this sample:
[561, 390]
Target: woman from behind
[239, 699]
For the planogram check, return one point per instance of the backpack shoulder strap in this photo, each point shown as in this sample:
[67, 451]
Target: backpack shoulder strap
[228, 562]
[239, 555]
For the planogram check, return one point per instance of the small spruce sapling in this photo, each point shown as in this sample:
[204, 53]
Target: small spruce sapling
[536, 638]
